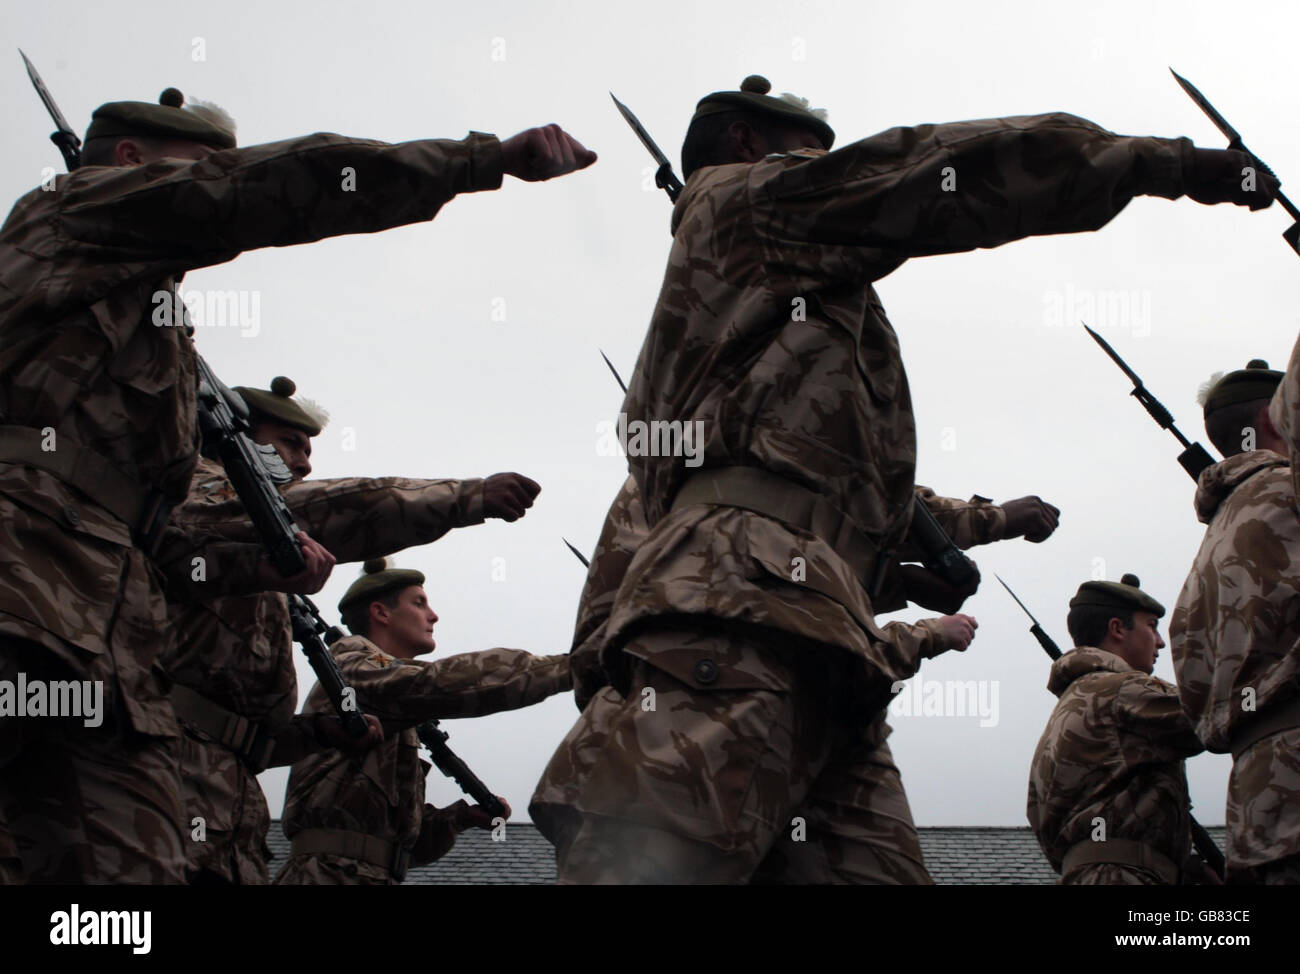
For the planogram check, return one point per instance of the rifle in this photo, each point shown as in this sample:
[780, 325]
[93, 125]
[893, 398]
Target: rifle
[1292, 234]
[1205, 844]
[1194, 457]
[253, 469]
[434, 738]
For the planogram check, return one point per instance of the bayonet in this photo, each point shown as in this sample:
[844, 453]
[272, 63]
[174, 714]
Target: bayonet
[617, 378]
[577, 554]
[1292, 235]
[1194, 457]
[1044, 640]
[64, 138]
[665, 178]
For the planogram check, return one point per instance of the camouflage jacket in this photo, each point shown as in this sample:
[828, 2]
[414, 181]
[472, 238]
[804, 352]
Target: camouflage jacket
[968, 523]
[1111, 756]
[238, 652]
[1235, 631]
[80, 356]
[769, 335]
[382, 793]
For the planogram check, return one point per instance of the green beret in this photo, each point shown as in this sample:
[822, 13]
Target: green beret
[1255, 381]
[166, 120]
[1122, 595]
[276, 405]
[753, 97]
[378, 579]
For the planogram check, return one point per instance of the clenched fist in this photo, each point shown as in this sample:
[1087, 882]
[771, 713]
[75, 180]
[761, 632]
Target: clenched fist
[544, 153]
[1031, 518]
[960, 630]
[1230, 176]
[508, 495]
[307, 582]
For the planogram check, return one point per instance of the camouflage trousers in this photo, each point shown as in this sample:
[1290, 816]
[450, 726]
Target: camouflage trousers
[1263, 810]
[225, 813]
[84, 804]
[729, 760]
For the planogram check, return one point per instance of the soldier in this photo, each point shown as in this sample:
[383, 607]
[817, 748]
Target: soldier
[1235, 627]
[1107, 788]
[97, 395]
[747, 612]
[232, 659]
[889, 849]
[363, 820]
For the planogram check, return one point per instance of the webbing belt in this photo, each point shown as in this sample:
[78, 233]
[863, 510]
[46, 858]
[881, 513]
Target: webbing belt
[1274, 721]
[1121, 852]
[354, 845]
[143, 509]
[247, 738]
[766, 493]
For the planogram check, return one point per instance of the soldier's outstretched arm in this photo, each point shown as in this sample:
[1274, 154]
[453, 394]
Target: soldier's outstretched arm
[467, 685]
[176, 215]
[936, 189]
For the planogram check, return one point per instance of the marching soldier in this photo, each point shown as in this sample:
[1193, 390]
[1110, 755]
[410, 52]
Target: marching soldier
[747, 612]
[232, 659]
[1108, 787]
[99, 438]
[889, 849]
[1235, 627]
[362, 820]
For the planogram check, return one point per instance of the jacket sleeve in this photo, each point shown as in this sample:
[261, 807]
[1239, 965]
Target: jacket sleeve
[969, 524]
[1284, 411]
[468, 685]
[941, 189]
[171, 216]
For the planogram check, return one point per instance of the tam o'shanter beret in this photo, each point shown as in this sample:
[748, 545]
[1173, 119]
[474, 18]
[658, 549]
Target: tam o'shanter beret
[171, 118]
[377, 579]
[1255, 381]
[753, 97]
[1125, 594]
[277, 404]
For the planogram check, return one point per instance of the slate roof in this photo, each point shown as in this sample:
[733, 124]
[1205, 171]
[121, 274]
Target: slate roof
[954, 854]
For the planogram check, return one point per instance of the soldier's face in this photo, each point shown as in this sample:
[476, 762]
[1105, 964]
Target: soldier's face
[137, 152]
[410, 624]
[293, 445]
[1142, 643]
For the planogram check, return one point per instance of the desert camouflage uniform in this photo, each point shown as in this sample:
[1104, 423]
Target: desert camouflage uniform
[382, 793]
[1235, 635]
[80, 355]
[1110, 765]
[239, 653]
[872, 825]
[769, 333]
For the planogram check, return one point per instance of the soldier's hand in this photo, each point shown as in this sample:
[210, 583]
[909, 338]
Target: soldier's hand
[933, 592]
[478, 817]
[307, 582]
[544, 153]
[960, 630]
[1229, 176]
[1031, 518]
[330, 732]
[508, 495]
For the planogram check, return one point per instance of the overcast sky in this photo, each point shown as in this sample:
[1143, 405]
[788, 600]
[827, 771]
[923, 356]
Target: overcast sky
[394, 333]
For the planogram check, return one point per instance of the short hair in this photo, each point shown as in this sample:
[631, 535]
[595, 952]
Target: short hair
[707, 142]
[357, 617]
[1087, 624]
[1224, 425]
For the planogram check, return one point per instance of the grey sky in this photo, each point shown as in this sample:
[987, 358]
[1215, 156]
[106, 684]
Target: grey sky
[394, 333]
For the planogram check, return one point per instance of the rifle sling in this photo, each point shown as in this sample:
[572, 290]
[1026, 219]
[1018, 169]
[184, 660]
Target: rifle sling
[143, 509]
[353, 845]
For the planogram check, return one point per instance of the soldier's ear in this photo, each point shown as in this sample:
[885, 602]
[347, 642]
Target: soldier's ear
[1116, 629]
[743, 141]
[378, 613]
[128, 152]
